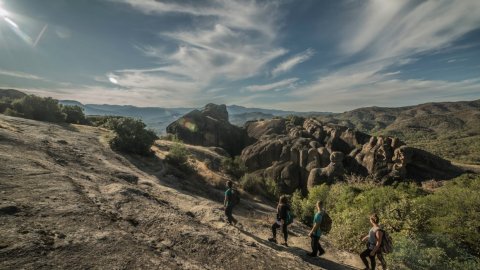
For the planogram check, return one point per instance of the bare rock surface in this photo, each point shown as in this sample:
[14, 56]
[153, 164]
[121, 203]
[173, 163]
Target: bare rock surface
[67, 201]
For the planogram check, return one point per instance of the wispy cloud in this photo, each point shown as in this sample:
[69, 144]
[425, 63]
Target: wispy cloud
[22, 75]
[292, 62]
[388, 29]
[234, 40]
[386, 35]
[272, 86]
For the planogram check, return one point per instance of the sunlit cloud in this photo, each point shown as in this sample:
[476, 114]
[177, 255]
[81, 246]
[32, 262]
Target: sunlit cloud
[292, 62]
[272, 86]
[235, 41]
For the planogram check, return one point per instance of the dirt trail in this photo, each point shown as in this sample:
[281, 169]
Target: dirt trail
[68, 201]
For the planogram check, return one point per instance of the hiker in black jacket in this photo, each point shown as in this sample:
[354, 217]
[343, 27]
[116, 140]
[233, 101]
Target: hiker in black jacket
[283, 210]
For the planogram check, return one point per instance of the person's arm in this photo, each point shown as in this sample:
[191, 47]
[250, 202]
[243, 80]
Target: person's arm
[379, 236]
[314, 228]
[225, 200]
[365, 238]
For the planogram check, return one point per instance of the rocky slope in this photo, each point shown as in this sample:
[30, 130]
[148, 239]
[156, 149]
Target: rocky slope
[69, 201]
[448, 129]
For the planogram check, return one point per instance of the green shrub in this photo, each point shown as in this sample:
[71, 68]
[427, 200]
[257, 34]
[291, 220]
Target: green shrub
[454, 211]
[74, 114]
[429, 252]
[37, 108]
[178, 154]
[261, 186]
[101, 120]
[131, 135]
[234, 166]
[304, 208]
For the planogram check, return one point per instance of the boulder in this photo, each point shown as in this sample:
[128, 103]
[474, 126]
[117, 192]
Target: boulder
[210, 127]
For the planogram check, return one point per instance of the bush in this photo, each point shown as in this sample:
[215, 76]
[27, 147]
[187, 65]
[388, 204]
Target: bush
[414, 217]
[74, 114]
[37, 108]
[234, 166]
[430, 252]
[178, 154]
[261, 186]
[131, 135]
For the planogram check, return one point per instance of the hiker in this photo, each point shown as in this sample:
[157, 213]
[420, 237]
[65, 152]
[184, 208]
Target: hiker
[229, 204]
[283, 210]
[374, 241]
[316, 232]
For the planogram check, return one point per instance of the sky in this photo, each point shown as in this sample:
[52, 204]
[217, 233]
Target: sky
[304, 55]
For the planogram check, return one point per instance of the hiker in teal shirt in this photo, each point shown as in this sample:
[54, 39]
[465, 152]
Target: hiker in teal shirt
[315, 233]
[228, 204]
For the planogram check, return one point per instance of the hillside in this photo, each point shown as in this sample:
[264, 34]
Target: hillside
[69, 201]
[448, 129]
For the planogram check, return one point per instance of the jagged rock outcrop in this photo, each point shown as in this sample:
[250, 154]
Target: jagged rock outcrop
[210, 127]
[302, 156]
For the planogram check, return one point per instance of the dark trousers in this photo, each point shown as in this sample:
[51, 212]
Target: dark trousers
[228, 213]
[275, 226]
[364, 256]
[316, 247]
[381, 259]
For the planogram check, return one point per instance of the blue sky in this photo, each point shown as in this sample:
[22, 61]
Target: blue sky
[304, 55]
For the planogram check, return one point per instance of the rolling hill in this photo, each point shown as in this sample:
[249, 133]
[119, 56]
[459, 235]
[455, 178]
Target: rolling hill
[448, 129]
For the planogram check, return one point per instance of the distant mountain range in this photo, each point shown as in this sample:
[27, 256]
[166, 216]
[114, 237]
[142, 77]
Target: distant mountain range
[158, 118]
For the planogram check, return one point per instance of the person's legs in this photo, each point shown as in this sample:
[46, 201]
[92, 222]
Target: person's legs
[234, 220]
[314, 244]
[372, 261]
[321, 251]
[382, 260]
[228, 213]
[364, 256]
[275, 226]
[285, 232]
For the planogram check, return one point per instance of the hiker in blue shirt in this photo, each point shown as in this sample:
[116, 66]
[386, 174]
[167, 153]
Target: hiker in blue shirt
[315, 233]
[228, 204]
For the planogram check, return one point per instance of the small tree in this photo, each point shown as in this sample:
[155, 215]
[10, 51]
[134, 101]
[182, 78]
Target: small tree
[74, 114]
[37, 108]
[131, 135]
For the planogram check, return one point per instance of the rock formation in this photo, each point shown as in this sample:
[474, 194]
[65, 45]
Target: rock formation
[210, 127]
[302, 156]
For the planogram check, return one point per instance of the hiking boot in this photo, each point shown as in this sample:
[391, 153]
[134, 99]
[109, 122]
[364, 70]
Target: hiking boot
[285, 244]
[272, 240]
[310, 254]
[321, 252]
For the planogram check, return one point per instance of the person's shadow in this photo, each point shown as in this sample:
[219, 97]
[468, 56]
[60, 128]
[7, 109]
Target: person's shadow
[301, 253]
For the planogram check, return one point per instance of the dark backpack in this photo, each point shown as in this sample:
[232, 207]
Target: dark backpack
[290, 217]
[235, 197]
[326, 224]
[387, 243]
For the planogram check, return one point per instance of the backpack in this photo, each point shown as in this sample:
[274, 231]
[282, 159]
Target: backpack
[387, 243]
[290, 217]
[326, 224]
[235, 198]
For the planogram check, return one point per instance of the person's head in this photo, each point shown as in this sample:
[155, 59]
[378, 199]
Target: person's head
[374, 219]
[229, 184]
[319, 205]
[283, 199]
